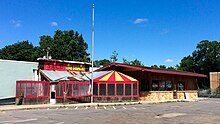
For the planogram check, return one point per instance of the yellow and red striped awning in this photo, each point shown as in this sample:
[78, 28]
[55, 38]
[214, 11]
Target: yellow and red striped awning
[115, 76]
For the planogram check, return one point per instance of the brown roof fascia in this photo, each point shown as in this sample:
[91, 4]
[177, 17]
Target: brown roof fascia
[154, 70]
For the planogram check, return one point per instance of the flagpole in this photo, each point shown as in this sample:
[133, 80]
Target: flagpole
[92, 50]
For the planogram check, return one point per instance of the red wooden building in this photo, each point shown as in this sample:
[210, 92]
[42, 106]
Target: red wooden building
[160, 84]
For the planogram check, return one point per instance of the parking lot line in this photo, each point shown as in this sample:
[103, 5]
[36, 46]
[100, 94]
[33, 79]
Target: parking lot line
[113, 107]
[96, 107]
[134, 108]
[124, 107]
[104, 107]
[86, 108]
[76, 108]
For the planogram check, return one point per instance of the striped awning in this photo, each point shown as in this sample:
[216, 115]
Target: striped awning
[114, 76]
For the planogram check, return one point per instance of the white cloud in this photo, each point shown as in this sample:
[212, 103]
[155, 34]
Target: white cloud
[16, 23]
[168, 60]
[140, 20]
[54, 24]
[69, 19]
[164, 31]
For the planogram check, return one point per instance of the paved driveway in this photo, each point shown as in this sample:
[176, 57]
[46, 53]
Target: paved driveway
[204, 111]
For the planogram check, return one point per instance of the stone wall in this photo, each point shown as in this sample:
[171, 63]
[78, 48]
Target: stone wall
[192, 94]
[167, 95]
[156, 95]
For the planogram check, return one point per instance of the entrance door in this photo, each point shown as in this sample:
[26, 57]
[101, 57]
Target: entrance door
[52, 94]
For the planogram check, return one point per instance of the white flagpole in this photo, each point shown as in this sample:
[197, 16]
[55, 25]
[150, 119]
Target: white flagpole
[92, 49]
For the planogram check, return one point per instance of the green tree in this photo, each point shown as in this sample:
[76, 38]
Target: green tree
[162, 67]
[205, 59]
[114, 56]
[125, 61]
[103, 62]
[66, 45]
[21, 51]
[154, 66]
[135, 62]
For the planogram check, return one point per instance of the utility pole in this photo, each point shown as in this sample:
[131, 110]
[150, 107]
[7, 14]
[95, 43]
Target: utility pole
[92, 50]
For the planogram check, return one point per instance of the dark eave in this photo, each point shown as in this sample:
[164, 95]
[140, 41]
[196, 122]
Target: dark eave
[153, 70]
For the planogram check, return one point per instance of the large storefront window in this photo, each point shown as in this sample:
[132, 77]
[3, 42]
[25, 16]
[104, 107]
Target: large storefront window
[181, 86]
[161, 85]
[168, 85]
[155, 85]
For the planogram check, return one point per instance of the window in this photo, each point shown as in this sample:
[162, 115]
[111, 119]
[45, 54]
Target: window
[75, 91]
[120, 88]
[32, 89]
[134, 89]
[168, 85]
[102, 89]
[40, 89]
[111, 89]
[82, 90]
[161, 85]
[46, 89]
[155, 85]
[181, 86]
[95, 90]
[59, 90]
[87, 88]
[127, 89]
[69, 90]
[28, 86]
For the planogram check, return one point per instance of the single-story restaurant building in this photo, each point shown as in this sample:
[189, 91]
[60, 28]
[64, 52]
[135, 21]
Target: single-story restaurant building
[160, 84]
[61, 81]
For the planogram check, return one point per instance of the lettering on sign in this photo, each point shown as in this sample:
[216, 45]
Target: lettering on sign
[72, 68]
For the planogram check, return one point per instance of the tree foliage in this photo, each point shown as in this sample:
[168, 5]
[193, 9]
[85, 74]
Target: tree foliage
[135, 62]
[205, 59]
[114, 56]
[103, 62]
[21, 51]
[66, 45]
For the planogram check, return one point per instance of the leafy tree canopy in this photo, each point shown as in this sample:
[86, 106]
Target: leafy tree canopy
[99, 63]
[21, 51]
[205, 59]
[66, 45]
[134, 62]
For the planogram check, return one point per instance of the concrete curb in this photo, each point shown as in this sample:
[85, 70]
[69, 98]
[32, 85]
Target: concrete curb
[43, 106]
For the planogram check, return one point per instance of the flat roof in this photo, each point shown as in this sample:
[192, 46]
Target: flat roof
[150, 69]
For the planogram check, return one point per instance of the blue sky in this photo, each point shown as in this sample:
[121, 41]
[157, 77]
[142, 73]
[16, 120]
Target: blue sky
[158, 32]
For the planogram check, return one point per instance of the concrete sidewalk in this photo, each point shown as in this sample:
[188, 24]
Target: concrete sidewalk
[42, 106]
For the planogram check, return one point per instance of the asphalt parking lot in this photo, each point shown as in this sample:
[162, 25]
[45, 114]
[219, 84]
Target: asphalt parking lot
[204, 111]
